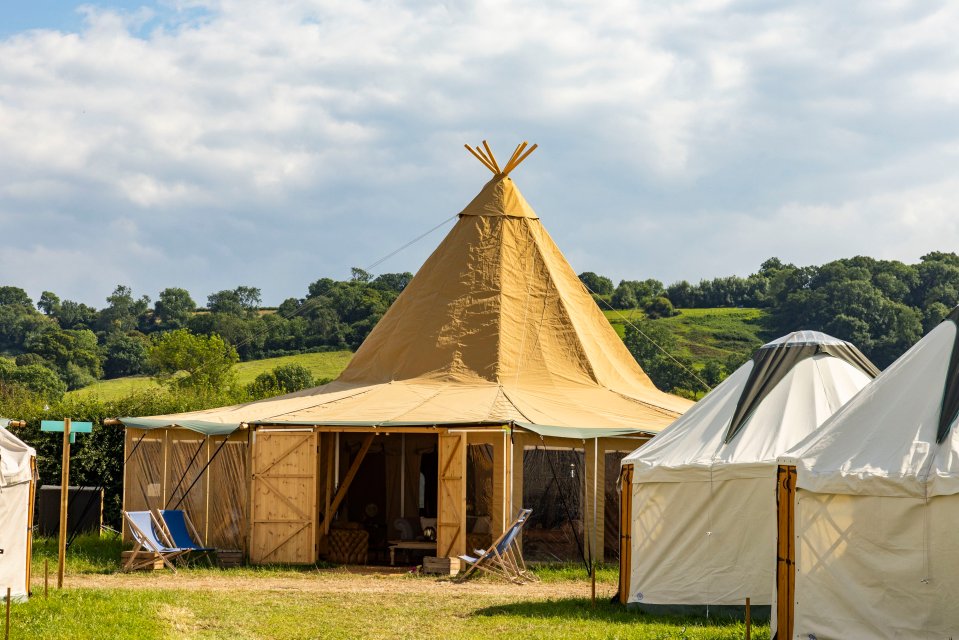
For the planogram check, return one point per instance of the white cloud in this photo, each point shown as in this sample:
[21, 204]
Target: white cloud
[212, 143]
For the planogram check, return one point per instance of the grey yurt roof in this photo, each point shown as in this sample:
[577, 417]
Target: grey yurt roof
[775, 359]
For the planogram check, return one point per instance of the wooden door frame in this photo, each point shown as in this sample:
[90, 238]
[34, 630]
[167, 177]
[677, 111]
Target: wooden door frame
[785, 550]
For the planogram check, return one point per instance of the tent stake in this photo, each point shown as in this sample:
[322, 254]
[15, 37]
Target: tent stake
[6, 628]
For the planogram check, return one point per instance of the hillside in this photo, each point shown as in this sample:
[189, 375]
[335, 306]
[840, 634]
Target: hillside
[323, 366]
[706, 334]
[701, 334]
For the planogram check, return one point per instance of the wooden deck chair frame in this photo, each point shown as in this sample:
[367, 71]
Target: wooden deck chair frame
[507, 564]
[191, 529]
[144, 543]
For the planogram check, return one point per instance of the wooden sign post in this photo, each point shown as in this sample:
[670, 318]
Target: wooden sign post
[69, 429]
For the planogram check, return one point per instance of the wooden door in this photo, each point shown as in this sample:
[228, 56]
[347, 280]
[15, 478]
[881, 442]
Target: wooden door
[284, 508]
[451, 496]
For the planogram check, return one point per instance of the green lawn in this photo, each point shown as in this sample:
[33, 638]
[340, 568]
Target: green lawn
[323, 366]
[304, 603]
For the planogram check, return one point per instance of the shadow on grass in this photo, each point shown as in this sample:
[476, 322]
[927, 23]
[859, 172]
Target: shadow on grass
[88, 553]
[581, 609]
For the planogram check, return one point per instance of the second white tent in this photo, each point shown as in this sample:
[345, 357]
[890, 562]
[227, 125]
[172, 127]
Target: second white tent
[702, 528]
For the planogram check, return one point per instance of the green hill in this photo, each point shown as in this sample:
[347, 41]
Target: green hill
[701, 334]
[323, 366]
[705, 334]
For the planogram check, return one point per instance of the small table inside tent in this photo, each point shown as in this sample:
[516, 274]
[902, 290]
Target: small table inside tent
[413, 545]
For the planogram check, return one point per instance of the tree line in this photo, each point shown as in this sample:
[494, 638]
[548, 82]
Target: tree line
[54, 345]
[50, 345]
[881, 306]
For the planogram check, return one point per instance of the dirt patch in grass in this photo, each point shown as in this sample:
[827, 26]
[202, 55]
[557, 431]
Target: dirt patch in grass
[340, 581]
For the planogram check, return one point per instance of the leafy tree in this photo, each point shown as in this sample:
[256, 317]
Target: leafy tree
[282, 379]
[124, 312]
[242, 301]
[668, 372]
[360, 275]
[49, 303]
[395, 282]
[76, 315]
[14, 296]
[74, 354]
[126, 354]
[35, 378]
[187, 361]
[595, 283]
[660, 307]
[624, 298]
[174, 308]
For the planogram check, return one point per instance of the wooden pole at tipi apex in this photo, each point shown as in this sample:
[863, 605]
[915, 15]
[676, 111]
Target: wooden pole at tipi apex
[518, 150]
[480, 158]
[489, 161]
[520, 159]
[492, 158]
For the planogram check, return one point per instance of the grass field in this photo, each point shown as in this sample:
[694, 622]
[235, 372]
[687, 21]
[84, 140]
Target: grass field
[705, 333]
[291, 603]
[323, 366]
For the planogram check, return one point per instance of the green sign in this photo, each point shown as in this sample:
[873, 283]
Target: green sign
[75, 427]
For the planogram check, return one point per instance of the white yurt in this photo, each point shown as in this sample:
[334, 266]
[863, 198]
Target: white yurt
[700, 499]
[868, 536]
[17, 485]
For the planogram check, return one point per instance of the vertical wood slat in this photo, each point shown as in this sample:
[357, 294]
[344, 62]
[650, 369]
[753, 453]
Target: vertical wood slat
[625, 532]
[451, 495]
[785, 550]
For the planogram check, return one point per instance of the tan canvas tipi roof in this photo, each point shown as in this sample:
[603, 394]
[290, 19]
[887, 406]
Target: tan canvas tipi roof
[495, 328]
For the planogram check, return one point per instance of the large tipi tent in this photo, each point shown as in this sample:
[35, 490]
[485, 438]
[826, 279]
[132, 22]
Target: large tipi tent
[701, 527]
[869, 506]
[17, 486]
[494, 340]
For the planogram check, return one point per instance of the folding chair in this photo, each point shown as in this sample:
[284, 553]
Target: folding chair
[144, 527]
[182, 534]
[503, 558]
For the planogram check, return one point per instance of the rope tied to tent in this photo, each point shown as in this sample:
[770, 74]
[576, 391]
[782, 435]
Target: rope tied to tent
[625, 319]
[202, 471]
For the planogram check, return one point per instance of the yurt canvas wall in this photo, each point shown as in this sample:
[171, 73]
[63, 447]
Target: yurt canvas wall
[702, 493]
[869, 506]
[17, 487]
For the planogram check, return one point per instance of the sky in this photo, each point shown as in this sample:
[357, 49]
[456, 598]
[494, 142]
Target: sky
[208, 144]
